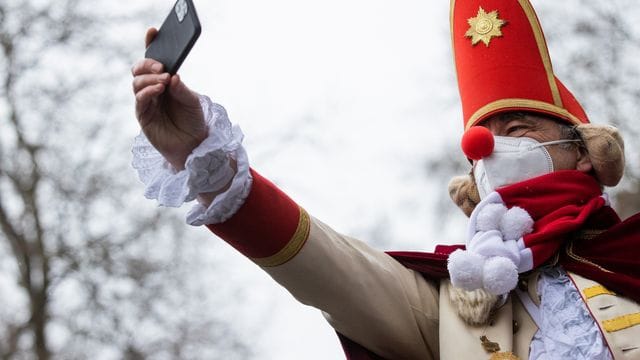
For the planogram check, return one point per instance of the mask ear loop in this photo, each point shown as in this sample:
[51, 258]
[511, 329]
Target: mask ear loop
[555, 142]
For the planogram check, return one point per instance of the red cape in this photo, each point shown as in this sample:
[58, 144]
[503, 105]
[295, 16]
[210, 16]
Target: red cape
[611, 258]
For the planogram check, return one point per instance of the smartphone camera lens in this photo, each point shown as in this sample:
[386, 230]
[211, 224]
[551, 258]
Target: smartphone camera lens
[181, 9]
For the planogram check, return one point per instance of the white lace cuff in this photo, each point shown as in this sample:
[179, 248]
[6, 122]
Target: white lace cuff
[207, 169]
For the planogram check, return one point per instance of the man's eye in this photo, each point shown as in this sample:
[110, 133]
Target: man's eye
[513, 129]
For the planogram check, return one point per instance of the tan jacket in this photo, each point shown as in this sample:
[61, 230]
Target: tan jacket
[393, 311]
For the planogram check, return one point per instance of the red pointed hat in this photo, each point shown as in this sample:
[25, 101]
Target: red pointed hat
[503, 63]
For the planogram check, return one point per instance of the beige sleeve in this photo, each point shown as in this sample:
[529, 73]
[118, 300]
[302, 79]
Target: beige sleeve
[365, 294]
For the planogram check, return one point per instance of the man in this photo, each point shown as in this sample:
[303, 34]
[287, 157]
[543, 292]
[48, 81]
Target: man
[548, 270]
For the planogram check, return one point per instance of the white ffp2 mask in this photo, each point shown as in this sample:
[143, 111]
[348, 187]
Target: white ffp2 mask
[514, 159]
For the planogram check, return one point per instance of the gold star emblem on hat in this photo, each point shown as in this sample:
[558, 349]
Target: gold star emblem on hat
[484, 27]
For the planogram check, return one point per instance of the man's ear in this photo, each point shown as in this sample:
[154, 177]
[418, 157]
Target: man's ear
[605, 152]
[584, 161]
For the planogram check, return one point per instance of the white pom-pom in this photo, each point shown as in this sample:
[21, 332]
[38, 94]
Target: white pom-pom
[500, 275]
[465, 269]
[489, 217]
[516, 223]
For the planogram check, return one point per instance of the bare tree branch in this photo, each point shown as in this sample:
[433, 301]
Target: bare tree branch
[67, 215]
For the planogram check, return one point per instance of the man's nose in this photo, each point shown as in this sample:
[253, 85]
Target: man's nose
[477, 143]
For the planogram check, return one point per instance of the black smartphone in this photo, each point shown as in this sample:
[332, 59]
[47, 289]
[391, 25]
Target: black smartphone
[176, 36]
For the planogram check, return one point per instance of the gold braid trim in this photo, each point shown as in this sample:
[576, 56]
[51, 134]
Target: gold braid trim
[292, 248]
[621, 322]
[583, 260]
[521, 103]
[597, 290]
[588, 234]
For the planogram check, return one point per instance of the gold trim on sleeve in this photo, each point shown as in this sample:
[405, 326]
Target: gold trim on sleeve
[544, 51]
[621, 322]
[292, 248]
[521, 103]
[597, 290]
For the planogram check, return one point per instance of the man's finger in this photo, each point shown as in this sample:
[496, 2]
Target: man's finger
[180, 91]
[142, 81]
[146, 98]
[149, 36]
[147, 66]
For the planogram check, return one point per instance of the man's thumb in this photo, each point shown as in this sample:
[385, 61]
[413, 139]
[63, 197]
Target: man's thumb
[180, 91]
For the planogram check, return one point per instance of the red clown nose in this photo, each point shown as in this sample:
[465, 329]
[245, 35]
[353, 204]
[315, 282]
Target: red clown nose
[477, 142]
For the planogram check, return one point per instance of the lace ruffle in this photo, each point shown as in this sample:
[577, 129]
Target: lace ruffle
[207, 169]
[567, 330]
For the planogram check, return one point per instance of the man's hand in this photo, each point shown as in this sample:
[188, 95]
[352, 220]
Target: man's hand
[169, 112]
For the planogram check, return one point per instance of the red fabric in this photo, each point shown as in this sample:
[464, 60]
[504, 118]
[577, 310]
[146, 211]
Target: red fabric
[510, 67]
[612, 259]
[433, 264]
[264, 224]
[559, 203]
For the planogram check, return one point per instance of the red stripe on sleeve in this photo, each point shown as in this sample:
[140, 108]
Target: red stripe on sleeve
[265, 224]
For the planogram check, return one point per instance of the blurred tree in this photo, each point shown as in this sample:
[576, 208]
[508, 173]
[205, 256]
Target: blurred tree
[595, 47]
[86, 270]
